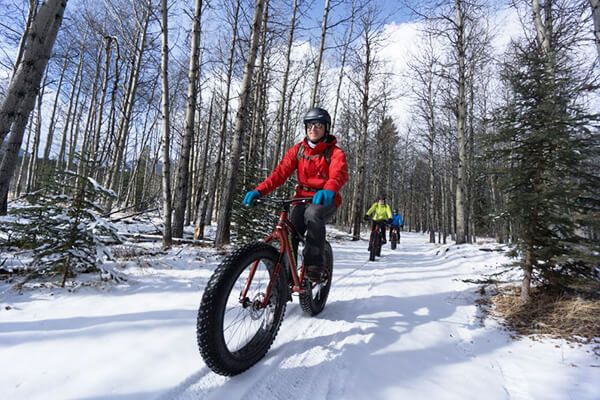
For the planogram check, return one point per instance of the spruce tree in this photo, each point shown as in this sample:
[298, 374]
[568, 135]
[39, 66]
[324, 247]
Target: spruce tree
[547, 142]
[63, 226]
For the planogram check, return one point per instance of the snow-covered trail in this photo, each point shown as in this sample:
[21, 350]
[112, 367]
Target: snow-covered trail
[404, 326]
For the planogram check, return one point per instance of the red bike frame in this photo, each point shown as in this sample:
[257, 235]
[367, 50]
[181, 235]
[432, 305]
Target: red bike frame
[283, 234]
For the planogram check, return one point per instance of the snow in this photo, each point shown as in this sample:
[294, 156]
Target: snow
[403, 327]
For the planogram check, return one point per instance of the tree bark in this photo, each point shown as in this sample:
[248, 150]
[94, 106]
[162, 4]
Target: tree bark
[73, 99]
[595, 4]
[129, 100]
[222, 236]
[358, 199]
[461, 183]
[314, 101]
[200, 213]
[343, 66]
[52, 126]
[25, 85]
[181, 192]
[166, 135]
[281, 109]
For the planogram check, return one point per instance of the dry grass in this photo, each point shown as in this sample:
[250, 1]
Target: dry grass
[573, 315]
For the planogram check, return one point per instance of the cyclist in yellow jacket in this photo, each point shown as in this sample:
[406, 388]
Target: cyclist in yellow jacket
[380, 213]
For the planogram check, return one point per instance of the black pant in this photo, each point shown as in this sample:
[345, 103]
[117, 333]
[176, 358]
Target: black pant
[311, 219]
[381, 227]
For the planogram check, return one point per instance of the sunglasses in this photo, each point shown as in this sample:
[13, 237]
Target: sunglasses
[317, 125]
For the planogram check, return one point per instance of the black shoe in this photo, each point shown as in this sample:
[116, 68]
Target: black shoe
[383, 241]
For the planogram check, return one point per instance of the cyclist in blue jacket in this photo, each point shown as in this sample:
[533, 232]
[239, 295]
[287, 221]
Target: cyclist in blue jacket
[396, 223]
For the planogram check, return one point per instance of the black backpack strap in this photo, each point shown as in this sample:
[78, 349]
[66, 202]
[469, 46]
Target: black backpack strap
[326, 154]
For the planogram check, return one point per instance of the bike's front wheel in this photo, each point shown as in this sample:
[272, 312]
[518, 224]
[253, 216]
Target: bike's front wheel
[394, 240]
[373, 244]
[234, 333]
[315, 294]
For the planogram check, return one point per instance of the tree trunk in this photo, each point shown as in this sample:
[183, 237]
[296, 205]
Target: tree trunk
[73, 99]
[281, 109]
[99, 118]
[200, 213]
[181, 192]
[33, 160]
[222, 236]
[314, 101]
[25, 85]
[461, 228]
[24, 161]
[166, 135]
[357, 212]
[52, 126]
[595, 4]
[129, 100]
[33, 9]
[343, 66]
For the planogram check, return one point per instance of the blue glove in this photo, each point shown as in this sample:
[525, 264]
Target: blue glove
[250, 197]
[324, 197]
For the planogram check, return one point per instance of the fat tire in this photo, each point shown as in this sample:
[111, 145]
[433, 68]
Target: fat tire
[372, 247]
[209, 326]
[314, 303]
[394, 240]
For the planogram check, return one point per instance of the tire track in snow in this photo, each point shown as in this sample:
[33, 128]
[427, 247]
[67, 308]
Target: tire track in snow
[309, 360]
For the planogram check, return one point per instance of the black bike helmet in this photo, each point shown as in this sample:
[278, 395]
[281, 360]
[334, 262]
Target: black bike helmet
[317, 114]
[395, 211]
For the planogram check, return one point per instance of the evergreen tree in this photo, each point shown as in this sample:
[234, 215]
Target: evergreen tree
[65, 231]
[547, 143]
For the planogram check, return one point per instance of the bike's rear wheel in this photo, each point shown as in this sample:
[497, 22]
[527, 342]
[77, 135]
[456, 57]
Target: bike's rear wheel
[235, 334]
[315, 293]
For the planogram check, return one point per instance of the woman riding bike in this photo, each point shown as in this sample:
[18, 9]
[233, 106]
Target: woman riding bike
[380, 213]
[321, 172]
[396, 224]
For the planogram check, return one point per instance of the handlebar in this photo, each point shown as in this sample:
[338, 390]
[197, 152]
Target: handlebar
[282, 202]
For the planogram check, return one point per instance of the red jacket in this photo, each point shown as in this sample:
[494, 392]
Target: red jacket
[313, 173]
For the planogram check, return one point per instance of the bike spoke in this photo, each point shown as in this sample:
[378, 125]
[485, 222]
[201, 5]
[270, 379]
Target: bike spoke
[243, 321]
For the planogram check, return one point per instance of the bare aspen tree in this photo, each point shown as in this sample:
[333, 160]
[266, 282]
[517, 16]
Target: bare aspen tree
[33, 8]
[181, 191]
[279, 119]
[73, 99]
[103, 91]
[424, 68]
[345, 46]
[254, 151]
[166, 128]
[33, 160]
[211, 193]
[313, 98]
[25, 85]
[52, 124]
[366, 66]
[595, 4]
[24, 160]
[129, 100]
[222, 235]
[199, 216]
[459, 42]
